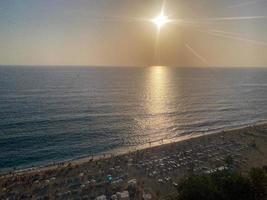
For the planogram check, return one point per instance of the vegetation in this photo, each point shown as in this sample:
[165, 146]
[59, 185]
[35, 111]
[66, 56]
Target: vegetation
[224, 185]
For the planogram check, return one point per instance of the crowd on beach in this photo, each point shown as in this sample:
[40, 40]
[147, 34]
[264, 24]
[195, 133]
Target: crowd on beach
[142, 174]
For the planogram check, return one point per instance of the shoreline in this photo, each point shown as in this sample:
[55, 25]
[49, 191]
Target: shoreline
[155, 170]
[123, 151]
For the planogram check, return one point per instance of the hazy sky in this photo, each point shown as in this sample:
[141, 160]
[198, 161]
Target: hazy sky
[106, 32]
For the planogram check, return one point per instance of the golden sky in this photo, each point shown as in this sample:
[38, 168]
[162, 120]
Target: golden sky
[119, 33]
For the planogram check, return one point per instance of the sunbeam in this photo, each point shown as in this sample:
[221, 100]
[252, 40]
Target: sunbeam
[196, 54]
[163, 19]
[119, 18]
[233, 37]
[247, 3]
[159, 21]
[157, 48]
[223, 19]
[226, 32]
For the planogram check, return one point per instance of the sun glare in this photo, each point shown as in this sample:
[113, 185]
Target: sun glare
[160, 20]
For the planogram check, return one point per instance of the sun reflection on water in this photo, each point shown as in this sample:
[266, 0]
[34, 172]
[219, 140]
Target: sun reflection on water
[157, 97]
[157, 89]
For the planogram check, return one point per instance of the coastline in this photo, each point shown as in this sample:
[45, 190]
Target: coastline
[156, 170]
[124, 151]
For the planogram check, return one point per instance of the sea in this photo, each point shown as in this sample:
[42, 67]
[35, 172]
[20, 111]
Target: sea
[53, 113]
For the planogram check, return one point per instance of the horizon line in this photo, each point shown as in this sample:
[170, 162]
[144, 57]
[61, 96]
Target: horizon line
[129, 66]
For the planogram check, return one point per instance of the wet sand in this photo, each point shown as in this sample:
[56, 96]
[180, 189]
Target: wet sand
[150, 172]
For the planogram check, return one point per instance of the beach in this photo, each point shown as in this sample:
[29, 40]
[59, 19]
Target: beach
[144, 173]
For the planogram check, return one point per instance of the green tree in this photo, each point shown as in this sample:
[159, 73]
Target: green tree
[259, 182]
[224, 185]
[197, 188]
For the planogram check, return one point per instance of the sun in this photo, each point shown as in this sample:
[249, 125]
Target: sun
[160, 20]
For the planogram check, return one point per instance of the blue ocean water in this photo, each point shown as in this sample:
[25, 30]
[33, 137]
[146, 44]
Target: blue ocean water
[52, 114]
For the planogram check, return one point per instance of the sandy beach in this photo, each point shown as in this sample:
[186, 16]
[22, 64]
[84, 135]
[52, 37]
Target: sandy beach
[149, 172]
